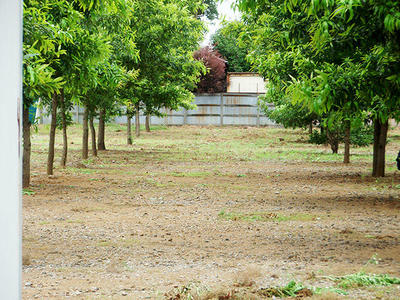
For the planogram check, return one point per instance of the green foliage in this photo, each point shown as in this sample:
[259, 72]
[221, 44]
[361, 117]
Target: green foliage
[290, 290]
[362, 279]
[289, 115]
[211, 11]
[339, 59]
[68, 118]
[226, 41]
[166, 37]
[28, 192]
[318, 138]
[360, 136]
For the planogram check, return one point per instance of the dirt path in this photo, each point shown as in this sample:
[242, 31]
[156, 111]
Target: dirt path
[204, 205]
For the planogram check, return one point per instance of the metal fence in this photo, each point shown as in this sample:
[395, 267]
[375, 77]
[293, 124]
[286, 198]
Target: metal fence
[212, 109]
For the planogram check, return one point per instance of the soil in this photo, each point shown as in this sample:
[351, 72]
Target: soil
[140, 221]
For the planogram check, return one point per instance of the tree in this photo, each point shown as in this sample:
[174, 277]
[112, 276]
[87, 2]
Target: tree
[341, 57]
[227, 42]
[166, 37]
[198, 8]
[41, 41]
[214, 81]
[211, 11]
[371, 66]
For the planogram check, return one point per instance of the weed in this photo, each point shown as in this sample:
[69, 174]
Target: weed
[28, 192]
[374, 260]
[292, 289]
[362, 279]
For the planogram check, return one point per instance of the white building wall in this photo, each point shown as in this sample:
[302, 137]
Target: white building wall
[245, 83]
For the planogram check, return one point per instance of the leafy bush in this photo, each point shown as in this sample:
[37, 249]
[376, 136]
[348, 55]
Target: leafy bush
[318, 138]
[360, 136]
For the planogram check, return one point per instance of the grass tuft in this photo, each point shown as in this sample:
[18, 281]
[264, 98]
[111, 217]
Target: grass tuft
[264, 216]
[362, 279]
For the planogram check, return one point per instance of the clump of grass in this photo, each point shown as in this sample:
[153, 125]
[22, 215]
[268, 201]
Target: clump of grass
[190, 174]
[362, 279]
[28, 192]
[292, 289]
[264, 216]
[257, 216]
[191, 291]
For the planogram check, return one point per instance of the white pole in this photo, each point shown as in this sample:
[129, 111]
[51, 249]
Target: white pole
[10, 148]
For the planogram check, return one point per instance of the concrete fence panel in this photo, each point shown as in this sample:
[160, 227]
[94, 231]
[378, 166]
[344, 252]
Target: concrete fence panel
[212, 109]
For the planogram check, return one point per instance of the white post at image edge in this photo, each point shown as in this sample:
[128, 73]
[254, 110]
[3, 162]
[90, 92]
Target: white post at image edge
[10, 148]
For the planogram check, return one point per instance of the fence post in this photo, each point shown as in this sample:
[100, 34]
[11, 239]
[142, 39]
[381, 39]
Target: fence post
[185, 114]
[222, 110]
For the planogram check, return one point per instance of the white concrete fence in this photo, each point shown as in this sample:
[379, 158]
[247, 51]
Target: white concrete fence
[212, 109]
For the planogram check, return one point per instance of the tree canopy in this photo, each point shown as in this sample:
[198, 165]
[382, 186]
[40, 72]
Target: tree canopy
[227, 41]
[337, 57]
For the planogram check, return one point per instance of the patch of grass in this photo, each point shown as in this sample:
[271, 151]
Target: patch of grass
[75, 221]
[362, 279]
[190, 174]
[28, 192]
[296, 217]
[292, 289]
[264, 216]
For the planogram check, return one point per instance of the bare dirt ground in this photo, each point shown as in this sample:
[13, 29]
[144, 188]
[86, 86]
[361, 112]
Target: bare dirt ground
[216, 208]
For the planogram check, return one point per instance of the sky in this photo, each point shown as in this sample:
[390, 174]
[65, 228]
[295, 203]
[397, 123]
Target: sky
[225, 12]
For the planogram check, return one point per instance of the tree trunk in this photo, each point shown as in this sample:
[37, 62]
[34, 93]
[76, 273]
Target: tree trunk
[64, 130]
[147, 123]
[137, 120]
[93, 135]
[310, 127]
[50, 157]
[85, 135]
[26, 169]
[346, 158]
[129, 129]
[380, 136]
[100, 138]
[333, 141]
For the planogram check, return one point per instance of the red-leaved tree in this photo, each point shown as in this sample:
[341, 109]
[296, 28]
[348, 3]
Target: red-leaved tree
[215, 79]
